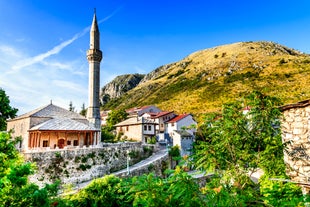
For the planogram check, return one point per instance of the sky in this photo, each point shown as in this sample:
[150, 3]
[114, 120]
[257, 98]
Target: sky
[43, 44]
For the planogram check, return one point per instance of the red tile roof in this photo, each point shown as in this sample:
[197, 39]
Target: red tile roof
[135, 109]
[178, 118]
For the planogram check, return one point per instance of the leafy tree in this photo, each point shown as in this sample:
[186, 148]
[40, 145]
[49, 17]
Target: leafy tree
[15, 190]
[114, 117]
[237, 143]
[6, 111]
[106, 191]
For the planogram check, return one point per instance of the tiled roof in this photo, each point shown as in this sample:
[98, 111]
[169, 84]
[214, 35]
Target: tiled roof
[51, 111]
[63, 124]
[135, 121]
[136, 109]
[178, 118]
[160, 114]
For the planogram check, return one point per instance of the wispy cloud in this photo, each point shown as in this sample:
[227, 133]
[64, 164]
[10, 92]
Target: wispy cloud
[31, 82]
[57, 48]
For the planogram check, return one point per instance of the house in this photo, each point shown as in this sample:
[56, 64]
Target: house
[181, 130]
[136, 128]
[184, 140]
[180, 122]
[139, 111]
[160, 118]
[52, 127]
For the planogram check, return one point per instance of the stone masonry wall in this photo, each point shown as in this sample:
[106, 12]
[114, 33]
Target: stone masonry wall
[296, 137]
[157, 167]
[84, 164]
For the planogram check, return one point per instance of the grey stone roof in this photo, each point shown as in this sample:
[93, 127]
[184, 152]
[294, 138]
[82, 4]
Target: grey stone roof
[135, 121]
[183, 133]
[51, 111]
[63, 124]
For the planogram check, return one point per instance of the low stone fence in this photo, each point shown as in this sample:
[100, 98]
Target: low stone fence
[84, 164]
[157, 167]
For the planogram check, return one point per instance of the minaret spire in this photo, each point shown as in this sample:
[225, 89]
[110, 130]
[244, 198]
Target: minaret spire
[94, 56]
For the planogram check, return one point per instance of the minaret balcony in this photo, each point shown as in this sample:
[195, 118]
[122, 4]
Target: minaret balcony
[94, 55]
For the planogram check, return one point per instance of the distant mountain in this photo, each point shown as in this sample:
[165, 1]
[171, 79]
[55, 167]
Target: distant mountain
[120, 85]
[206, 79]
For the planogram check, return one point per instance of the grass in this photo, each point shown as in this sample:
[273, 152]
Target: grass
[201, 83]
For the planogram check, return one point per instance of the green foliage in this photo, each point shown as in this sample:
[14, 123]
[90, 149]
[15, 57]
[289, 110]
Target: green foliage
[174, 152]
[114, 117]
[106, 191]
[237, 143]
[106, 135]
[151, 140]
[71, 107]
[15, 190]
[277, 193]
[83, 110]
[6, 111]
[177, 190]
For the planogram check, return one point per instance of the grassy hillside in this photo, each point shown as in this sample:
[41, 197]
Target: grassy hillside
[206, 79]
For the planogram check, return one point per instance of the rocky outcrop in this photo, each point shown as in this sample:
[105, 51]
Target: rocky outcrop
[158, 72]
[120, 85]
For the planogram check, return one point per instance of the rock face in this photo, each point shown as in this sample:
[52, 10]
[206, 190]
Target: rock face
[156, 73]
[120, 85]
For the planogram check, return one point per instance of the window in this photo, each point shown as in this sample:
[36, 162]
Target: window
[145, 127]
[68, 142]
[75, 142]
[150, 127]
[45, 143]
[172, 124]
[127, 128]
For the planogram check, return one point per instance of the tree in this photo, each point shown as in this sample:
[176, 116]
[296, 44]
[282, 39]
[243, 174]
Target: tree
[15, 190]
[83, 110]
[238, 142]
[114, 117]
[6, 111]
[71, 107]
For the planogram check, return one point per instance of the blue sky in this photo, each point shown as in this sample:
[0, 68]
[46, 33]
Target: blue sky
[43, 44]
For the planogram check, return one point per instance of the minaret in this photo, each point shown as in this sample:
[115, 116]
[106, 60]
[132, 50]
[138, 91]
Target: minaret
[94, 56]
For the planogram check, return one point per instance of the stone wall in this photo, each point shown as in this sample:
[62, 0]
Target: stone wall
[157, 167]
[84, 164]
[296, 137]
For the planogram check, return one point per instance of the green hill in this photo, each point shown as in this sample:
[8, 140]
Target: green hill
[204, 80]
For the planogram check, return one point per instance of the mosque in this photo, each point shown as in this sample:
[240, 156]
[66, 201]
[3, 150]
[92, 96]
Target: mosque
[52, 127]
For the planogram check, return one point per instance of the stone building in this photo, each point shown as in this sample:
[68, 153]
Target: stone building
[136, 128]
[52, 127]
[296, 137]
